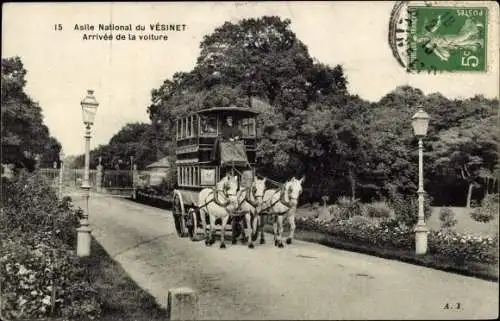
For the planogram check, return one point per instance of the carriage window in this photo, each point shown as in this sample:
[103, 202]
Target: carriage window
[182, 129]
[247, 126]
[208, 125]
[194, 125]
[178, 128]
[186, 127]
[190, 126]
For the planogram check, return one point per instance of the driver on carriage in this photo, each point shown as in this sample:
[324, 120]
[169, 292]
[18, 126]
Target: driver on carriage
[229, 131]
[228, 148]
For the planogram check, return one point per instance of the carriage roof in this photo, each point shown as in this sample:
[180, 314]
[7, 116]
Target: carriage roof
[233, 110]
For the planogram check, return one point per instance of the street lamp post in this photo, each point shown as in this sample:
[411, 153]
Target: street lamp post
[61, 171]
[89, 109]
[420, 123]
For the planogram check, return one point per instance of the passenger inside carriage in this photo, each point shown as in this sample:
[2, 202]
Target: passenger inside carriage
[208, 125]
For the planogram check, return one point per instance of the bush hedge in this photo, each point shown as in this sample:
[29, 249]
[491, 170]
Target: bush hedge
[488, 210]
[406, 207]
[35, 267]
[377, 211]
[447, 217]
[346, 208]
[393, 234]
[30, 205]
[40, 274]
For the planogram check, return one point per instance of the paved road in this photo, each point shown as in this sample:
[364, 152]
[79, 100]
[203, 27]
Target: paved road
[301, 281]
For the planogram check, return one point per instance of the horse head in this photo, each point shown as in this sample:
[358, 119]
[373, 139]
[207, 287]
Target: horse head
[293, 189]
[258, 188]
[229, 188]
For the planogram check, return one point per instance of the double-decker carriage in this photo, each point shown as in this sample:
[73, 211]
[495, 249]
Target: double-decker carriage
[208, 149]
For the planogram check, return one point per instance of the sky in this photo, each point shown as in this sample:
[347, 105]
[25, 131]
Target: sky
[62, 65]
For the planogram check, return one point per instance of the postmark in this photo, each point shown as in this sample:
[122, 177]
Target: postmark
[426, 38]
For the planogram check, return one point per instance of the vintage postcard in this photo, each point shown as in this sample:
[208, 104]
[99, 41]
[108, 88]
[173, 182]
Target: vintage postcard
[250, 160]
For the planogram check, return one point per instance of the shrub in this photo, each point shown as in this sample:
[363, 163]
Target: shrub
[29, 265]
[361, 230]
[38, 235]
[406, 208]
[334, 211]
[474, 203]
[392, 234]
[360, 221]
[447, 217]
[377, 211]
[464, 247]
[30, 205]
[348, 208]
[488, 209]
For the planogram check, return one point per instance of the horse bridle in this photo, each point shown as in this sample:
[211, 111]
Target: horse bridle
[247, 196]
[215, 191]
[282, 199]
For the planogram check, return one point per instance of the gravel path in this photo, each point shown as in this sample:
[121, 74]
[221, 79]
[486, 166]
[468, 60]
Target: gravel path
[301, 281]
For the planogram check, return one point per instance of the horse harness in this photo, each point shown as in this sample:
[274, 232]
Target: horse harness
[247, 199]
[281, 200]
[214, 199]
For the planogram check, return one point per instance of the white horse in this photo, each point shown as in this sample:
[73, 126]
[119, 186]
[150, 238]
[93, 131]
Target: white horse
[281, 203]
[218, 202]
[249, 201]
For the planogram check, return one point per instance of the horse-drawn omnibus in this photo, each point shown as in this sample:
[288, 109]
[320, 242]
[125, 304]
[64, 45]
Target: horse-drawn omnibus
[211, 144]
[217, 182]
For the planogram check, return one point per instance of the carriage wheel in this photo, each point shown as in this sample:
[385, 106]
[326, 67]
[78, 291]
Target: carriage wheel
[178, 213]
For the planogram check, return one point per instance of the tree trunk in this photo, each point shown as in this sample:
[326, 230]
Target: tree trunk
[352, 180]
[469, 194]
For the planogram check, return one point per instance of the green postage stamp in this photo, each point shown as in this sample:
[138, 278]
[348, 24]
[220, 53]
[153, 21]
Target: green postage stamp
[447, 38]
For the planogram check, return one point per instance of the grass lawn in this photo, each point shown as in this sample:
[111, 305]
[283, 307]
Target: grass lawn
[122, 299]
[465, 223]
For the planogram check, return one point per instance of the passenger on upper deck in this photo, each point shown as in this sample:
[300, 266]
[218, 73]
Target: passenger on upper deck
[229, 131]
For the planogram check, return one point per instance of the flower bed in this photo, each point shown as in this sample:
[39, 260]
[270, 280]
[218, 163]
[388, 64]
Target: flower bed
[42, 277]
[40, 274]
[459, 248]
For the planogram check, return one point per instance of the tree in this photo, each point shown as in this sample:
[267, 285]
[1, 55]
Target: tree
[50, 154]
[391, 161]
[469, 151]
[133, 142]
[333, 142]
[24, 134]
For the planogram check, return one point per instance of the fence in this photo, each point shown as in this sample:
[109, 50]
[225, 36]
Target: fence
[117, 182]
